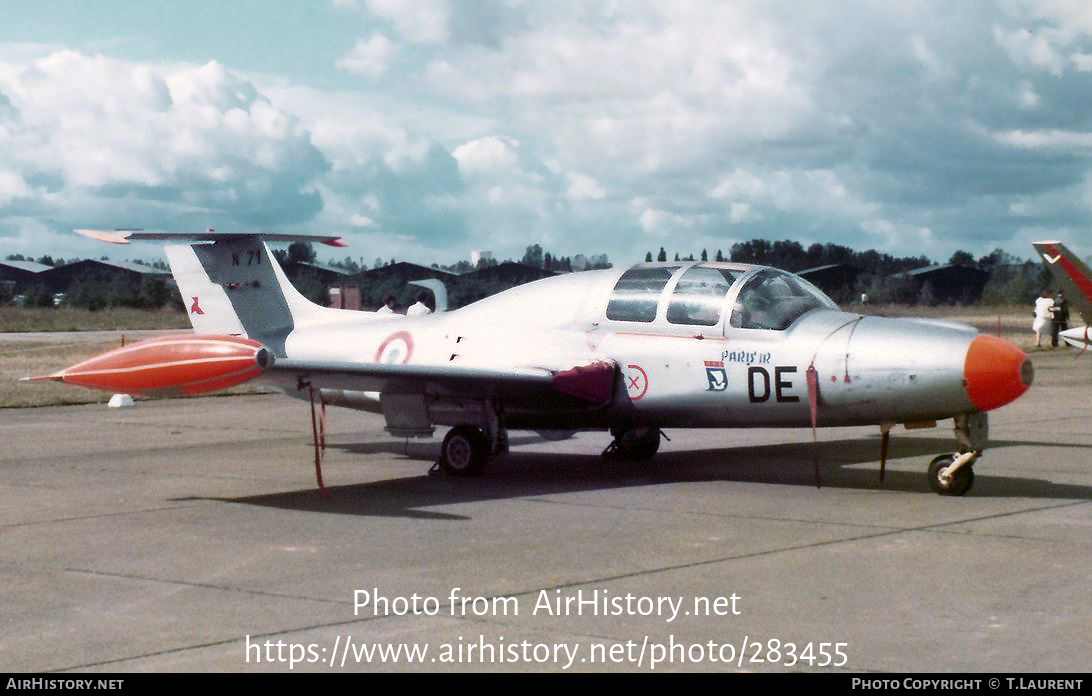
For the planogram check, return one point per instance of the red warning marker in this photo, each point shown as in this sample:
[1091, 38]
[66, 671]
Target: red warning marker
[636, 382]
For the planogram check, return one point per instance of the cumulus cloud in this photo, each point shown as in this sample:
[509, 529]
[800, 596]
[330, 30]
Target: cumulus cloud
[90, 140]
[673, 84]
[1046, 139]
[368, 57]
[583, 187]
[819, 190]
[1027, 97]
[739, 184]
[490, 153]
[12, 186]
[1035, 49]
[446, 22]
[1083, 61]
[762, 120]
[498, 123]
[667, 224]
[740, 212]
[387, 184]
[193, 138]
[422, 21]
[927, 58]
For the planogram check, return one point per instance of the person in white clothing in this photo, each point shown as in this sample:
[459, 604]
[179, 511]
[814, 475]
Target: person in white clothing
[420, 308]
[388, 306]
[1042, 315]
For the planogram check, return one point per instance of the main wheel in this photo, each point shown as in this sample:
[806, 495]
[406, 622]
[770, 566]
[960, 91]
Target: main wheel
[465, 451]
[958, 484]
[637, 444]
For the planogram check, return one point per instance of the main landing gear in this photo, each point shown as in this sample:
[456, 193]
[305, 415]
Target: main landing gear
[467, 449]
[953, 474]
[634, 444]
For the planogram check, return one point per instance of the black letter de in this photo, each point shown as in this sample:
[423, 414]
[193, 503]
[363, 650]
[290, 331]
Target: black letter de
[756, 398]
[780, 384]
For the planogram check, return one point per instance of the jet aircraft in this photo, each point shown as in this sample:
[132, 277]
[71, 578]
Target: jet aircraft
[632, 351]
[1075, 278]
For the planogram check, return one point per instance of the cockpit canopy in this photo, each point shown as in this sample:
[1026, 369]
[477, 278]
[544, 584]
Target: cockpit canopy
[773, 299]
[700, 294]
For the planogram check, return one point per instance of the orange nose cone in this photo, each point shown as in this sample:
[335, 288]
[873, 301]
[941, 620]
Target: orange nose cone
[996, 372]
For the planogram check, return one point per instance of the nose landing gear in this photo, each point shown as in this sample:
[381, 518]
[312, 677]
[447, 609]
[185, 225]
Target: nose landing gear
[953, 474]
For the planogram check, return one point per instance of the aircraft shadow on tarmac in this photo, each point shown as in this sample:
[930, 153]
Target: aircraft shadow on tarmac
[530, 474]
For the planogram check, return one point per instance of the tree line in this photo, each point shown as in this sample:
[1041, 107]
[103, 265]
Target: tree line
[1011, 280]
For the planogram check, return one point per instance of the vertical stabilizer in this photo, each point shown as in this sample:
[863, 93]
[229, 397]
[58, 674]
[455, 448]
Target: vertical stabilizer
[237, 287]
[1072, 274]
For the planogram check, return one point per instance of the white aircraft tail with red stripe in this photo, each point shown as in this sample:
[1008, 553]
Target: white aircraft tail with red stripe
[1071, 273]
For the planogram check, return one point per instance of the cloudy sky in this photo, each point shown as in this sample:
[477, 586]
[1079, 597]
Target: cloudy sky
[422, 129]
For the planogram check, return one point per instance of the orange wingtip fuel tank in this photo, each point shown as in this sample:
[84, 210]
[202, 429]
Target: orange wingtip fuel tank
[181, 364]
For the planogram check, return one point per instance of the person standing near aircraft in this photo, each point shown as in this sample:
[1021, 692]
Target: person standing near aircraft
[1059, 317]
[1042, 315]
[419, 308]
[388, 306]
[1074, 276]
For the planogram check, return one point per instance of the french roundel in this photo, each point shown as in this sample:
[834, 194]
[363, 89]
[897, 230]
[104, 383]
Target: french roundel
[396, 348]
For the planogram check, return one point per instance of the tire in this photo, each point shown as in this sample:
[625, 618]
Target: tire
[465, 451]
[637, 444]
[958, 485]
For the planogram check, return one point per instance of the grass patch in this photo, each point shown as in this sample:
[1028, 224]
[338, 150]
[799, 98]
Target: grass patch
[26, 359]
[1011, 322]
[942, 311]
[24, 319]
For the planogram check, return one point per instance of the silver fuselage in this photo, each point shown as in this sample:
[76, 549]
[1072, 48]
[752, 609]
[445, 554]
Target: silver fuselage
[869, 369]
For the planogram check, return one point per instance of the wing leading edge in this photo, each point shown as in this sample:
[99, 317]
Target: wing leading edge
[592, 383]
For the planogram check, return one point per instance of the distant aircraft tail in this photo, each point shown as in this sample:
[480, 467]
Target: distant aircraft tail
[235, 286]
[1072, 274]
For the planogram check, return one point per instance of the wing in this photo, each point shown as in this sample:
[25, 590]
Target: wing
[587, 384]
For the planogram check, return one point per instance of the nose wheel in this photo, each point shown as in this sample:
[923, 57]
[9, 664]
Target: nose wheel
[952, 475]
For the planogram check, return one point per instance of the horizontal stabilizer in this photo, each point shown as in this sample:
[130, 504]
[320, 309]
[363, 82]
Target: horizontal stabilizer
[124, 236]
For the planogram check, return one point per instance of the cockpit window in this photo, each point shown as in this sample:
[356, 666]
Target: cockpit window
[637, 293]
[699, 296]
[774, 300]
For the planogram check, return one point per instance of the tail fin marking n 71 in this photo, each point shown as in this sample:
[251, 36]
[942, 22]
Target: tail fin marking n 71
[237, 287]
